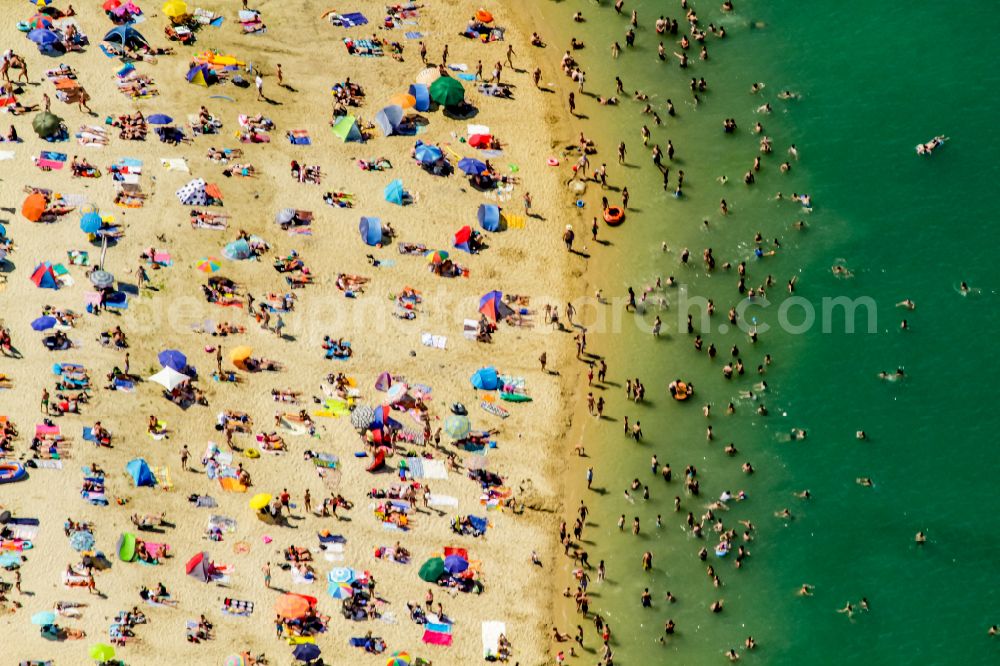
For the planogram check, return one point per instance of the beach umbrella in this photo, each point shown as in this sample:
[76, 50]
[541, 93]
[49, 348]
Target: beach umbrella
[34, 206]
[259, 501]
[341, 575]
[169, 378]
[234, 660]
[362, 417]
[175, 8]
[207, 264]
[44, 37]
[457, 426]
[43, 618]
[480, 140]
[484, 16]
[427, 154]
[399, 659]
[428, 76]
[159, 119]
[437, 257]
[46, 124]
[240, 354]
[3, 231]
[405, 100]
[431, 570]
[491, 306]
[81, 540]
[306, 652]
[340, 590]
[199, 567]
[394, 192]
[102, 652]
[102, 279]
[110, 5]
[447, 91]
[172, 358]
[291, 606]
[39, 21]
[43, 323]
[471, 166]
[285, 215]
[396, 392]
[455, 564]
[91, 223]
[237, 250]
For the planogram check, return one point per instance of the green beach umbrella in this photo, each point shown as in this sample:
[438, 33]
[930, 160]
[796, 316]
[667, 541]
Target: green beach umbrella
[431, 570]
[457, 426]
[102, 652]
[46, 124]
[447, 91]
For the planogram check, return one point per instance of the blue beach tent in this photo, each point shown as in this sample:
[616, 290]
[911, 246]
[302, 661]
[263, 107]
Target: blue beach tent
[139, 470]
[485, 379]
[371, 230]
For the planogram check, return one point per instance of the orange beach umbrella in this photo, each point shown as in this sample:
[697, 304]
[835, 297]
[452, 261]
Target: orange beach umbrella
[34, 207]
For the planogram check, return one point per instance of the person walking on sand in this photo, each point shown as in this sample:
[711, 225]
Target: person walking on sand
[572, 103]
[543, 359]
[527, 203]
[259, 82]
[307, 501]
[536, 76]
[82, 100]
[423, 53]
[279, 75]
[510, 54]
[218, 358]
[46, 102]
[267, 574]
[185, 454]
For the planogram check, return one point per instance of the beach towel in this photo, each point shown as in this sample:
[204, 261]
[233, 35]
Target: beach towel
[232, 485]
[237, 607]
[435, 341]
[7, 155]
[349, 20]
[223, 523]
[299, 137]
[434, 469]
[23, 532]
[437, 632]
[491, 637]
[162, 475]
[48, 464]
[442, 500]
[175, 164]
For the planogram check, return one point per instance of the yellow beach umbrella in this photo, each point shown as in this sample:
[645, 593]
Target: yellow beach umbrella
[240, 354]
[259, 501]
[175, 8]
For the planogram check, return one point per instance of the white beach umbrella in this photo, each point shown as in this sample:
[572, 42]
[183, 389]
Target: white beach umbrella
[169, 378]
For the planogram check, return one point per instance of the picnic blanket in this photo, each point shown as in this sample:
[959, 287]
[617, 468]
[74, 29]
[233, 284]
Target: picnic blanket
[491, 637]
[437, 631]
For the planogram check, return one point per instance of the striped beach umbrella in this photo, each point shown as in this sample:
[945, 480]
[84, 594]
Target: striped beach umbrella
[399, 659]
[207, 264]
[437, 257]
[341, 575]
[362, 417]
[340, 590]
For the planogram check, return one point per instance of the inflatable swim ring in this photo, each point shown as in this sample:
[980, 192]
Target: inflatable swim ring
[721, 550]
[682, 392]
[11, 472]
[252, 453]
[614, 216]
[552, 161]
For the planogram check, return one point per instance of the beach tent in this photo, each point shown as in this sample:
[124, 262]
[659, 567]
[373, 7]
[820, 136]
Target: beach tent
[371, 230]
[193, 194]
[485, 379]
[169, 378]
[383, 381]
[388, 119]
[346, 129]
[44, 277]
[46, 124]
[139, 470]
[126, 35]
[381, 418]
[202, 75]
[126, 547]
[200, 567]
[237, 250]
[394, 192]
[447, 91]
[489, 217]
[425, 153]
[462, 237]
[421, 95]
[491, 305]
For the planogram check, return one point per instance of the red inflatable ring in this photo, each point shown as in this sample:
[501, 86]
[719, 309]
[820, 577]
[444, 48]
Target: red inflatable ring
[614, 216]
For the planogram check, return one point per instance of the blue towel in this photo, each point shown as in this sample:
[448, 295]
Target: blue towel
[105, 51]
[353, 19]
[466, 77]
[357, 642]
[24, 521]
[88, 434]
[414, 35]
[300, 140]
[217, 21]
[478, 524]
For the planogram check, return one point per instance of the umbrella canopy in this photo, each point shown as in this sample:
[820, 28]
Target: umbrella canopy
[428, 76]
[237, 250]
[484, 16]
[80, 541]
[207, 264]
[259, 501]
[396, 392]
[44, 37]
[43, 618]
[362, 417]
[399, 659]
[489, 217]
[285, 215]
[340, 590]
[102, 279]
[291, 606]
[341, 575]
[306, 652]
[109, 5]
[491, 305]
[437, 257]
[46, 124]
[234, 660]
[39, 21]
[455, 564]
[169, 378]
[431, 570]
[34, 206]
[427, 154]
[43, 323]
[447, 91]
[388, 119]
[404, 100]
[159, 119]
[471, 166]
[457, 426]
[480, 140]
[91, 223]
[175, 8]
[240, 354]
[101, 652]
[394, 192]
[172, 358]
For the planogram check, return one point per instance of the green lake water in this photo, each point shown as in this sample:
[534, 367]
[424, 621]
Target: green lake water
[875, 80]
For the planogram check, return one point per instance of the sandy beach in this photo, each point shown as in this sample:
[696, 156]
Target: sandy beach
[171, 312]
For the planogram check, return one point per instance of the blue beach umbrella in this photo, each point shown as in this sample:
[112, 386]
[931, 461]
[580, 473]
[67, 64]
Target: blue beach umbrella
[455, 564]
[43, 323]
[91, 223]
[427, 154]
[237, 250]
[44, 618]
[44, 37]
[80, 541]
[3, 231]
[306, 652]
[159, 119]
[173, 359]
[341, 575]
[471, 167]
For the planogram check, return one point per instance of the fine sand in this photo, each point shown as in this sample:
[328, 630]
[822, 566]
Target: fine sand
[529, 261]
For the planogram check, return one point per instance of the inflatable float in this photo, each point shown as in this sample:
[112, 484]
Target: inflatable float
[11, 472]
[613, 216]
[681, 391]
[377, 462]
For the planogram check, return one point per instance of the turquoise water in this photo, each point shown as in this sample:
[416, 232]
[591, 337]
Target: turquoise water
[875, 80]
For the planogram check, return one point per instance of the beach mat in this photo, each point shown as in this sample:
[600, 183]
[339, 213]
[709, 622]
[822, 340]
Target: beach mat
[491, 637]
